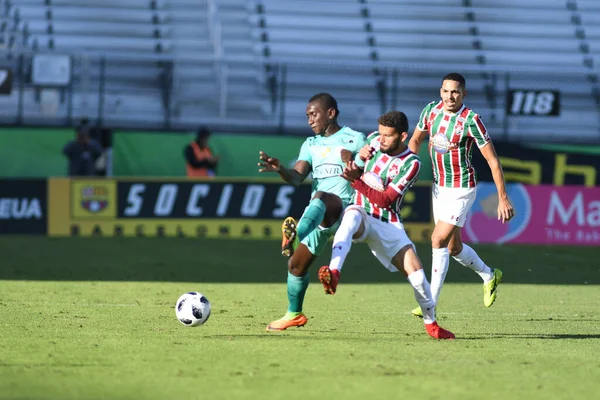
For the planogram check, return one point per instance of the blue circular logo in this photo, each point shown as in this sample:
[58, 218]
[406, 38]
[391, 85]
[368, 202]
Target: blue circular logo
[482, 223]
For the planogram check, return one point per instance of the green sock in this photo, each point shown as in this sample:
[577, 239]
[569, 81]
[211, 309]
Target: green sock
[311, 218]
[296, 289]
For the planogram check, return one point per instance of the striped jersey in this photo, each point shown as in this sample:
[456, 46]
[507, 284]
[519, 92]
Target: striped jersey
[451, 139]
[399, 172]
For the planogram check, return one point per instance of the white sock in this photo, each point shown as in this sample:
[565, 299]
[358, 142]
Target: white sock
[468, 258]
[423, 295]
[440, 260]
[342, 241]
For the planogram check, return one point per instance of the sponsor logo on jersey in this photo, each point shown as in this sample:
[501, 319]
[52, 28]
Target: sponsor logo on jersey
[327, 171]
[441, 144]
[325, 151]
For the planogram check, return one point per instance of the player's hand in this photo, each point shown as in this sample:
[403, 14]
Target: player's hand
[268, 164]
[351, 173]
[346, 155]
[366, 153]
[505, 210]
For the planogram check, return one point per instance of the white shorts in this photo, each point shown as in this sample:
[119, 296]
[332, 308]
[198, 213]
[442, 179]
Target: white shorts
[452, 205]
[385, 239]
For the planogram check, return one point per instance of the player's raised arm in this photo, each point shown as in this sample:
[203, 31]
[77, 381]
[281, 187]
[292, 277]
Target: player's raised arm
[366, 152]
[361, 142]
[505, 208]
[294, 176]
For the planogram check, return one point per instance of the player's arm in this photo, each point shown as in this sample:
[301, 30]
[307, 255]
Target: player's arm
[294, 176]
[421, 130]
[407, 176]
[478, 132]
[417, 138]
[505, 208]
[383, 199]
[361, 143]
[388, 196]
[366, 152]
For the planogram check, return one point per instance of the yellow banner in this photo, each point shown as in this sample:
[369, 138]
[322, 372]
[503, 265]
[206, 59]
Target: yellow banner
[89, 208]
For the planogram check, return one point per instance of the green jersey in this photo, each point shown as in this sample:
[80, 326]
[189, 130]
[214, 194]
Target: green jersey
[451, 139]
[324, 156]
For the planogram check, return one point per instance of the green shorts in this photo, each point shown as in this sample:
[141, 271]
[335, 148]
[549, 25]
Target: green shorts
[318, 240]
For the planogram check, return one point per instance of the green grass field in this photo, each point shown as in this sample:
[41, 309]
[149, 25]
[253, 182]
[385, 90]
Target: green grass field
[94, 319]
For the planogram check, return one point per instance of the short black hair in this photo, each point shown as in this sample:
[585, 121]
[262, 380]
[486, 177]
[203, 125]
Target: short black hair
[327, 101]
[456, 77]
[394, 119]
[83, 128]
[203, 132]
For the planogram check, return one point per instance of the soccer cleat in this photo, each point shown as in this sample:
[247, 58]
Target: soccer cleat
[417, 312]
[289, 243]
[329, 279]
[490, 289]
[284, 323]
[437, 332]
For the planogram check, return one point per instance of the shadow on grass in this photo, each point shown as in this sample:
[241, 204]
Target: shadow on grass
[247, 261]
[553, 336]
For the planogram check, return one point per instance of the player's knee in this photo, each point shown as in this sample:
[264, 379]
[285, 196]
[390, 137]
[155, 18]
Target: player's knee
[438, 241]
[353, 223]
[295, 268]
[353, 217]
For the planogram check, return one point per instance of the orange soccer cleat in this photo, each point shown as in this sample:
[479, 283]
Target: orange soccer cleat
[437, 332]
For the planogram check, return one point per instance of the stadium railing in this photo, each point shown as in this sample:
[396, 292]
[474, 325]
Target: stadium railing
[137, 91]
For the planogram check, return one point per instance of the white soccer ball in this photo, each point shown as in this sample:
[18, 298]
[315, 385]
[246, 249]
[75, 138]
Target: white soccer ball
[192, 309]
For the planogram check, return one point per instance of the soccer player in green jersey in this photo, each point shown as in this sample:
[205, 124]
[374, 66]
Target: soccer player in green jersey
[453, 130]
[325, 155]
[374, 215]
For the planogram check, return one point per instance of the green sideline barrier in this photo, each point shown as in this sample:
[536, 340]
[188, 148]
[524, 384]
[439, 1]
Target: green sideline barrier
[33, 152]
[37, 152]
[152, 154]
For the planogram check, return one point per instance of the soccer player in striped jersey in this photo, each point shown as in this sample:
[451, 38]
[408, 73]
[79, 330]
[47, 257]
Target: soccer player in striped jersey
[374, 215]
[453, 130]
[325, 155]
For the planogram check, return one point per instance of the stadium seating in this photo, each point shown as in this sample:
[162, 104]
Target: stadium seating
[232, 61]
[206, 92]
[138, 38]
[541, 36]
[493, 42]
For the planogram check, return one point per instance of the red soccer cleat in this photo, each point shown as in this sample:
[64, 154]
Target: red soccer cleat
[437, 332]
[329, 279]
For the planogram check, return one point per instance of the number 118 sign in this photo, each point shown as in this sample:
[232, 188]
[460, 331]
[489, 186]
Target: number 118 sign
[533, 102]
